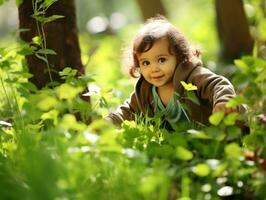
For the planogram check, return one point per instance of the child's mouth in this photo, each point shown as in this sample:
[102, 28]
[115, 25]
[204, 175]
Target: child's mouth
[157, 77]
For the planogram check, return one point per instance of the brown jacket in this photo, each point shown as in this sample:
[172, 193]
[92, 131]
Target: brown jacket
[212, 89]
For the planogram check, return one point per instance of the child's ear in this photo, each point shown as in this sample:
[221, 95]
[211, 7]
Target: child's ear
[138, 70]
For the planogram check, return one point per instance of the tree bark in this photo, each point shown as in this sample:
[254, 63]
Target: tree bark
[61, 36]
[233, 29]
[149, 8]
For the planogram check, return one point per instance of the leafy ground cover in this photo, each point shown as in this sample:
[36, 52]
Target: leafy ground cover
[47, 153]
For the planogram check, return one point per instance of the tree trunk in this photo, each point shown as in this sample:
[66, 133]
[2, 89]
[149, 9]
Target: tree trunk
[61, 36]
[149, 8]
[233, 29]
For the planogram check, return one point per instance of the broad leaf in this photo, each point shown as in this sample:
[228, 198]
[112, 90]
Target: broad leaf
[216, 118]
[188, 87]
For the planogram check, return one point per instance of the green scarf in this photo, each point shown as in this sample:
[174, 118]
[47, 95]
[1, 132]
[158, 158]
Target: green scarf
[173, 112]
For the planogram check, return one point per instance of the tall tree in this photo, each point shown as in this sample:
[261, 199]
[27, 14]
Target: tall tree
[60, 36]
[149, 8]
[233, 29]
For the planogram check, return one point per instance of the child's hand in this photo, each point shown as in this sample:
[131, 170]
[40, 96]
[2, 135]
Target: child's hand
[220, 107]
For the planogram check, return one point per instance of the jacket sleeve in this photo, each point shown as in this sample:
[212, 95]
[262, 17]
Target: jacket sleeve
[126, 111]
[211, 86]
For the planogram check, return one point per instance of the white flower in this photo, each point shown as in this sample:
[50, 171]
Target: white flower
[93, 89]
[91, 137]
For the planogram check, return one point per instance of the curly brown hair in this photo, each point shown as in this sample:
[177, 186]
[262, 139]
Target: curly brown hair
[154, 29]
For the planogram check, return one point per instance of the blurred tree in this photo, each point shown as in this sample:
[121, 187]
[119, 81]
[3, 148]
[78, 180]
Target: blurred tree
[233, 29]
[149, 8]
[60, 35]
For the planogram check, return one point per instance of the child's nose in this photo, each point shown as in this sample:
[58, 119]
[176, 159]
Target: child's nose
[155, 67]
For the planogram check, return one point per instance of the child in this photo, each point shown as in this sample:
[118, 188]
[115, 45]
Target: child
[163, 58]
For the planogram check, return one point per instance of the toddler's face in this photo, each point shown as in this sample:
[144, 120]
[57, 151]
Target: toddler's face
[157, 65]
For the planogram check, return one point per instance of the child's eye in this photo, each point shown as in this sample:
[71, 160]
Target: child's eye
[145, 63]
[161, 60]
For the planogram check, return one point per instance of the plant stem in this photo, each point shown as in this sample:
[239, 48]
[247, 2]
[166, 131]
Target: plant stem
[41, 34]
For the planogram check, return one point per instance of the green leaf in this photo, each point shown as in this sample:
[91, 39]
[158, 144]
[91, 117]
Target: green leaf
[232, 103]
[166, 151]
[216, 118]
[214, 132]
[46, 51]
[103, 103]
[69, 122]
[37, 40]
[220, 169]
[47, 103]
[176, 139]
[261, 29]
[67, 71]
[149, 184]
[230, 119]
[188, 87]
[53, 114]
[26, 50]
[47, 3]
[9, 146]
[233, 151]
[66, 91]
[192, 97]
[201, 169]
[52, 18]
[242, 66]
[183, 153]
[233, 132]
[254, 141]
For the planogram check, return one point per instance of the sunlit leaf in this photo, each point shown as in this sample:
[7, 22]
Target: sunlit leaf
[230, 119]
[47, 103]
[149, 184]
[216, 118]
[189, 86]
[37, 40]
[233, 151]
[69, 122]
[53, 114]
[67, 71]
[201, 169]
[220, 169]
[9, 146]
[66, 91]
[183, 153]
[242, 66]
[261, 29]
[236, 101]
